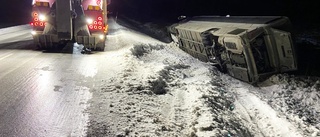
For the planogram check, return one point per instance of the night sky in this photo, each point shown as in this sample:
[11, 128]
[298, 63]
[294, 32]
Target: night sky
[18, 11]
[296, 10]
[14, 12]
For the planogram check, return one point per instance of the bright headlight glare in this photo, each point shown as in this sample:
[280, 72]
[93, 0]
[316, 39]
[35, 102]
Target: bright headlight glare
[89, 21]
[33, 32]
[101, 36]
[42, 17]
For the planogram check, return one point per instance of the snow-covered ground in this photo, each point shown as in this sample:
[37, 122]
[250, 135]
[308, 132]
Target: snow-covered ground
[15, 34]
[158, 90]
[150, 88]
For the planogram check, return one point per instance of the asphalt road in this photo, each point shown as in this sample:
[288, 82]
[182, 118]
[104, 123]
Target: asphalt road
[44, 93]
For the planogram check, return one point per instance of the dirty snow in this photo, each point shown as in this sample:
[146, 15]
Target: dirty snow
[158, 90]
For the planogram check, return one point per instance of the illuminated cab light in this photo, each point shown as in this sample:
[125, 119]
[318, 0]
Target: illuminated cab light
[31, 23]
[95, 22]
[36, 24]
[95, 27]
[90, 26]
[99, 27]
[38, 3]
[46, 4]
[99, 18]
[99, 23]
[90, 7]
[41, 24]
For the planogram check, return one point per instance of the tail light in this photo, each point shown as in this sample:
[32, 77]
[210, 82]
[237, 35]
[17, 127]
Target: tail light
[90, 26]
[39, 10]
[95, 18]
[96, 24]
[38, 20]
[35, 14]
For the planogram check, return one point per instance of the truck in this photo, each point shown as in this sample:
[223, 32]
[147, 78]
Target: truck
[58, 22]
[248, 48]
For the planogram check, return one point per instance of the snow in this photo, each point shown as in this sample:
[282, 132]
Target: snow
[298, 98]
[266, 119]
[151, 88]
[159, 90]
[10, 34]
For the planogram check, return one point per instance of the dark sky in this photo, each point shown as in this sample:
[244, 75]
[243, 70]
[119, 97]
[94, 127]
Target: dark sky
[18, 11]
[15, 11]
[295, 9]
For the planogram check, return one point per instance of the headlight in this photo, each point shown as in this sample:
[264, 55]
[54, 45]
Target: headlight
[42, 17]
[89, 21]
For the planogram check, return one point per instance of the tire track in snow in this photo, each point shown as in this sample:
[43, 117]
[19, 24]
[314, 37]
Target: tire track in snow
[260, 117]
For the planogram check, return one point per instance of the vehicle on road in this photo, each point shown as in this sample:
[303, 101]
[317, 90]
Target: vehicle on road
[57, 22]
[247, 48]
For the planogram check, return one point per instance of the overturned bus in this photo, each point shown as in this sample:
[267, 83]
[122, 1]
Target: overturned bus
[247, 48]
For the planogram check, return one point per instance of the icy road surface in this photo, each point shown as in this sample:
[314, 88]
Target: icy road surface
[42, 94]
[142, 87]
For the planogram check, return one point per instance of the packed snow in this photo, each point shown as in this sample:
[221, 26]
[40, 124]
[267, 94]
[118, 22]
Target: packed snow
[158, 90]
